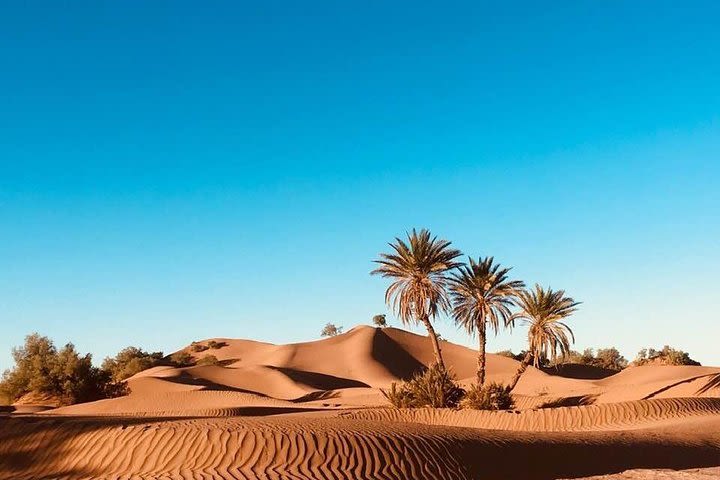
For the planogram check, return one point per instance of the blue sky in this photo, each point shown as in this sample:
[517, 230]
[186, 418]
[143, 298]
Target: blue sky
[171, 171]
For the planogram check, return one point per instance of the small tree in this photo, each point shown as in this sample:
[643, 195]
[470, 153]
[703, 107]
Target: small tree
[610, 358]
[379, 321]
[62, 374]
[129, 361]
[331, 330]
[181, 359]
[666, 356]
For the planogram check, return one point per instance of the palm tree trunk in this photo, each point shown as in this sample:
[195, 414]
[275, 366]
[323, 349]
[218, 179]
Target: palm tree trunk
[434, 340]
[523, 366]
[481, 361]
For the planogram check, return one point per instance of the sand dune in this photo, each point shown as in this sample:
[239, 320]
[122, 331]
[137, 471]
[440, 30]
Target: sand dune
[315, 410]
[312, 448]
[617, 416]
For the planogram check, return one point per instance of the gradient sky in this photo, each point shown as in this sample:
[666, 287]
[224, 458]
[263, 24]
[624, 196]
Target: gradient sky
[171, 171]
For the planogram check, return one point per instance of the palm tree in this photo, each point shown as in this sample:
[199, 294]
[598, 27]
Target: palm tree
[548, 337]
[418, 289]
[482, 296]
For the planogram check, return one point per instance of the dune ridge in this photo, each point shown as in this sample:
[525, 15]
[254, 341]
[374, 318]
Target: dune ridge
[310, 448]
[625, 415]
[315, 410]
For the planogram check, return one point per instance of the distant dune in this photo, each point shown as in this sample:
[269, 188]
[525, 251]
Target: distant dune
[315, 410]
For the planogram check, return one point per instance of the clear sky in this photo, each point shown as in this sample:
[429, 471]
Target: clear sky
[171, 171]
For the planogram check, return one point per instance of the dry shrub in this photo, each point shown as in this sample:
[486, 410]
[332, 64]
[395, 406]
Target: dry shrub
[434, 387]
[492, 396]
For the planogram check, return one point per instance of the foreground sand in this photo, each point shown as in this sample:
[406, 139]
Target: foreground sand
[328, 446]
[314, 410]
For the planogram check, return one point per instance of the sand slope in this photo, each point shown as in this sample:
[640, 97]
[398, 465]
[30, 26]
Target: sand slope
[315, 410]
[300, 447]
[349, 370]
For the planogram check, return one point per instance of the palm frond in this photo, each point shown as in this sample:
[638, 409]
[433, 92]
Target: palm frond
[482, 293]
[544, 311]
[417, 268]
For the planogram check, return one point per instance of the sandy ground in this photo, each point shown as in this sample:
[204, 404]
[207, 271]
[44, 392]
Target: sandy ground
[315, 410]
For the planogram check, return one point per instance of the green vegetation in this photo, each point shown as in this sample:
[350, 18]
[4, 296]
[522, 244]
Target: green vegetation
[63, 375]
[418, 270]
[493, 396]
[331, 330]
[129, 361]
[666, 356]
[181, 359]
[607, 358]
[433, 387]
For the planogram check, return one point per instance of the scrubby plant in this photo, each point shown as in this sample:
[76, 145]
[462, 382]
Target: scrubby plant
[198, 347]
[608, 358]
[491, 396]
[64, 374]
[215, 345]
[379, 321]
[666, 356]
[129, 361]
[433, 387]
[181, 359]
[208, 360]
[331, 330]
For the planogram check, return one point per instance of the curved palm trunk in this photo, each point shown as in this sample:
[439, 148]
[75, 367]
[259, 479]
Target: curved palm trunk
[523, 366]
[434, 341]
[481, 361]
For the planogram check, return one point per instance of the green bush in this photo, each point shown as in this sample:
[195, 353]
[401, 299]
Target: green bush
[129, 361]
[492, 396]
[208, 360]
[62, 374]
[434, 387]
[608, 358]
[215, 345]
[666, 356]
[181, 359]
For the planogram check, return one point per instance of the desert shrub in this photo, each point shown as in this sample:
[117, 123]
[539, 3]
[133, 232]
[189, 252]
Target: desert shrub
[379, 321]
[607, 358]
[215, 345]
[610, 358]
[433, 387]
[509, 354]
[63, 374]
[491, 396]
[208, 360]
[331, 330]
[130, 361]
[198, 347]
[666, 356]
[181, 359]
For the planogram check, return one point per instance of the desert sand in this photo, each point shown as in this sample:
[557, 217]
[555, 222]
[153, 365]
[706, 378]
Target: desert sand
[315, 410]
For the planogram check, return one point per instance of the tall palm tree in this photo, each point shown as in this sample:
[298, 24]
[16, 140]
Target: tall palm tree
[418, 289]
[482, 296]
[548, 337]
